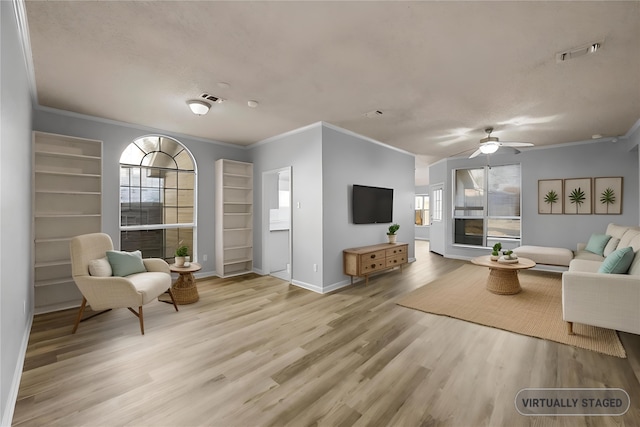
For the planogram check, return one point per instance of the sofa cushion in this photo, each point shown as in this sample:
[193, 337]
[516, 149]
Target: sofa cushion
[634, 269]
[612, 244]
[618, 262]
[590, 256]
[627, 237]
[545, 255]
[596, 243]
[126, 263]
[616, 231]
[584, 266]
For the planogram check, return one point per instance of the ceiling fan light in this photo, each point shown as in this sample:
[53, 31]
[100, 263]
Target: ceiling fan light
[489, 147]
[199, 108]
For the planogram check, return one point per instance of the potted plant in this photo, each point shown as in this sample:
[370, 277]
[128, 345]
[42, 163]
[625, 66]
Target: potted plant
[181, 254]
[392, 232]
[509, 257]
[495, 253]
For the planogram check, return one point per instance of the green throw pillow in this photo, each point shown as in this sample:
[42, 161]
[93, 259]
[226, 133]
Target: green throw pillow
[618, 262]
[597, 243]
[126, 263]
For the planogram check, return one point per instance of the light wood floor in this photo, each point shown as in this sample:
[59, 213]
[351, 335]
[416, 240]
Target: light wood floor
[257, 351]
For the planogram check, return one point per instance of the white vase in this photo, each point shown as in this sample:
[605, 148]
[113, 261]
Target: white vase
[495, 257]
[392, 238]
[187, 261]
[179, 262]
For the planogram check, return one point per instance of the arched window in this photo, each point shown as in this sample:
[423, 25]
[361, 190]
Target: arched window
[157, 197]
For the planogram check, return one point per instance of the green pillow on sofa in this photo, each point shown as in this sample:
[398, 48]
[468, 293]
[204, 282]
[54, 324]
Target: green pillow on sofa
[597, 243]
[618, 262]
[126, 263]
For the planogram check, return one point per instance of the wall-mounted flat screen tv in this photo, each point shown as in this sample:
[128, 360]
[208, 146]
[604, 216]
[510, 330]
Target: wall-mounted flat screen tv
[371, 205]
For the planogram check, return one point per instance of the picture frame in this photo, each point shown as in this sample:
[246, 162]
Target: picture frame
[607, 192]
[548, 191]
[577, 196]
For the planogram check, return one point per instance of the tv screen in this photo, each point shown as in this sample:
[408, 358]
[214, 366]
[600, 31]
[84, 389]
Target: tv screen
[371, 205]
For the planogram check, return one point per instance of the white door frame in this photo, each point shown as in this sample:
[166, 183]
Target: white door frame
[437, 229]
[266, 268]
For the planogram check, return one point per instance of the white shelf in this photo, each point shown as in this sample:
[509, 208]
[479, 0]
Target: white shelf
[234, 218]
[67, 201]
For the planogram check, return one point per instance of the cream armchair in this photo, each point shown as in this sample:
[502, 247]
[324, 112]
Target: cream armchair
[103, 293]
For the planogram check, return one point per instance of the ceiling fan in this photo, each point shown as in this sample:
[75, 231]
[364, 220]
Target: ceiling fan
[490, 144]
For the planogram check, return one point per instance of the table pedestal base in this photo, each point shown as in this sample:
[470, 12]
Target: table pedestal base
[503, 282]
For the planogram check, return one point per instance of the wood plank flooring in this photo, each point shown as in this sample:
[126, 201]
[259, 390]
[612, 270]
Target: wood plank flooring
[256, 351]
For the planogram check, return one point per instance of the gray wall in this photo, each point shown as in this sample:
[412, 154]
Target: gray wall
[422, 231]
[16, 292]
[116, 137]
[350, 159]
[302, 150]
[578, 160]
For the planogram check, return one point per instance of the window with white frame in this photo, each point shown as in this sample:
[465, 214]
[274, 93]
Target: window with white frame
[422, 209]
[487, 204]
[157, 197]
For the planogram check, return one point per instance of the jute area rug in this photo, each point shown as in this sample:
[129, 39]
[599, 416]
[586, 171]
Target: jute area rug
[536, 311]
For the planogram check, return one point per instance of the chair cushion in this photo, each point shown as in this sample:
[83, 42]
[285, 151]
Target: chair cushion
[150, 284]
[597, 243]
[618, 262]
[100, 267]
[126, 263]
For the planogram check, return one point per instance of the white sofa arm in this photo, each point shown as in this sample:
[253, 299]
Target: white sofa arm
[580, 247]
[606, 300]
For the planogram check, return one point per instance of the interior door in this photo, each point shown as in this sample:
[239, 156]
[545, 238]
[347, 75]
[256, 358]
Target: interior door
[437, 231]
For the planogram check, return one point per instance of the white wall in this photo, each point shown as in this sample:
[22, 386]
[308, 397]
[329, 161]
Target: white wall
[302, 150]
[115, 137]
[578, 160]
[16, 290]
[348, 159]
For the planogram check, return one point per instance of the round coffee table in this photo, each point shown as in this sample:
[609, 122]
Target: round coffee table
[503, 278]
[184, 289]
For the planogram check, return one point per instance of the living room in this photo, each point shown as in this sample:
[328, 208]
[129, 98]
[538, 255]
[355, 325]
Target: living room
[326, 160]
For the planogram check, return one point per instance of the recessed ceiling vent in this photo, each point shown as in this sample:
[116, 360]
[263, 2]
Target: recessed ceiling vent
[372, 114]
[212, 98]
[578, 51]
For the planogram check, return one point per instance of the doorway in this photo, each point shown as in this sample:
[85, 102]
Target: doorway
[276, 223]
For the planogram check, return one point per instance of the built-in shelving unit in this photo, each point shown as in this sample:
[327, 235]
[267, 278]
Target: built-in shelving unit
[67, 201]
[234, 218]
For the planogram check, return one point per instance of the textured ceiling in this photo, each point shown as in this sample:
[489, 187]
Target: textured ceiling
[439, 71]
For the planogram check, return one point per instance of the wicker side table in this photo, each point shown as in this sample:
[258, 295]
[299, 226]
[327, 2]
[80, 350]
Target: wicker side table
[184, 289]
[503, 278]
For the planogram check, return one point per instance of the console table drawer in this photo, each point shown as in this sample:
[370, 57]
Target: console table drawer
[372, 265]
[396, 251]
[372, 256]
[396, 260]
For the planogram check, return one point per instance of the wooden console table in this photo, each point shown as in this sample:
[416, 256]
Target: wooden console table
[363, 261]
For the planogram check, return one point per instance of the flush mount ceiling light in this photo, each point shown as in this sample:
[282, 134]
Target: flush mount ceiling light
[199, 108]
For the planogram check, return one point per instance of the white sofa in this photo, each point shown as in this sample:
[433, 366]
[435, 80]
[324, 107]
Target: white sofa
[609, 301]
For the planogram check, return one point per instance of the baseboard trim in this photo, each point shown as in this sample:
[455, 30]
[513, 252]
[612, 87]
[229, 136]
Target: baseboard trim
[335, 286]
[308, 286]
[12, 398]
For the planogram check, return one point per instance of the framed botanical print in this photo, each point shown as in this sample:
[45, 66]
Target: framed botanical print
[607, 193]
[577, 196]
[550, 196]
